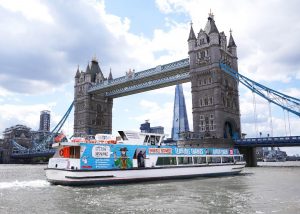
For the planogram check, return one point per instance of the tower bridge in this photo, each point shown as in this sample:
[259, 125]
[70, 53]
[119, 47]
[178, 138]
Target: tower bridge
[214, 92]
[212, 69]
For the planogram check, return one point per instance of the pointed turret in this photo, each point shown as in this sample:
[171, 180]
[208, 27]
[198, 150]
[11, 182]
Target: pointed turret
[231, 42]
[88, 70]
[110, 77]
[192, 39]
[212, 31]
[77, 73]
[192, 33]
[210, 25]
[95, 69]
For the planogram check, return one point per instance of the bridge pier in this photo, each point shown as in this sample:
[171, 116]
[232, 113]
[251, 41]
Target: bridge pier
[249, 156]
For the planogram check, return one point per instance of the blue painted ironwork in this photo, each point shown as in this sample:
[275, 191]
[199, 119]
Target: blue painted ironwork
[268, 142]
[143, 78]
[43, 148]
[286, 102]
[180, 119]
[149, 85]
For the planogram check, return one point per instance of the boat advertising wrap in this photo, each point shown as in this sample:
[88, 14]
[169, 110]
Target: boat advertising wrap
[111, 156]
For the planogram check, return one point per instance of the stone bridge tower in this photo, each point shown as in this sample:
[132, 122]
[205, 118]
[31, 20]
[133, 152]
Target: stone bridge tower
[215, 98]
[92, 112]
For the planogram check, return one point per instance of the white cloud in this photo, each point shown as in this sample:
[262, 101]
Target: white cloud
[23, 114]
[267, 48]
[30, 9]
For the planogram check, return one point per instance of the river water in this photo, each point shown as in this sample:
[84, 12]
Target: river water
[267, 189]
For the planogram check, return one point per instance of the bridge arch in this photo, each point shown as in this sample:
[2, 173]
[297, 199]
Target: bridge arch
[230, 129]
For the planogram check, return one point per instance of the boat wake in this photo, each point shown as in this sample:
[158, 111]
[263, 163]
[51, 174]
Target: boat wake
[24, 184]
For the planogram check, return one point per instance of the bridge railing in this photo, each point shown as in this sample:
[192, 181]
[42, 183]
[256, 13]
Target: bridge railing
[290, 140]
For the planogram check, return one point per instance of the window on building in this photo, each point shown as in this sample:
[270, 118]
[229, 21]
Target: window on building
[211, 101]
[202, 42]
[205, 101]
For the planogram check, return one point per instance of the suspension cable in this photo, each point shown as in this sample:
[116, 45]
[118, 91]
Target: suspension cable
[254, 108]
[289, 124]
[284, 122]
[271, 122]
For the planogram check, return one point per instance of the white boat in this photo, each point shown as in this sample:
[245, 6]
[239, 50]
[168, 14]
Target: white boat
[136, 157]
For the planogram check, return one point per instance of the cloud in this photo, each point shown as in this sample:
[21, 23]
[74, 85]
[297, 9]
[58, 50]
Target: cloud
[268, 44]
[24, 114]
[41, 50]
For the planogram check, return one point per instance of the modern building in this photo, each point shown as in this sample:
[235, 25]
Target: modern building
[180, 119]
[45, 121]
[146, 128]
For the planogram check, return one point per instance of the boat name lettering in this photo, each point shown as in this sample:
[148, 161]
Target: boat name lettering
[190, 151]
[220, 152]
[101, 152]
[160, 151]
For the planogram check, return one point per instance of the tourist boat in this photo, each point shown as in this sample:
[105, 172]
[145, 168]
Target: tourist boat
[135, 157]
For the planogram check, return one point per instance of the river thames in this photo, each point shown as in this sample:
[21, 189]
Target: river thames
[24, 189]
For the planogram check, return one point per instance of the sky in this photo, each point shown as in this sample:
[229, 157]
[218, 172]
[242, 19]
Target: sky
[43, 42]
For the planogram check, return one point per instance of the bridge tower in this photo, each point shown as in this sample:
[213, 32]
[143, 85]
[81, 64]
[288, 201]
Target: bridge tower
[92, 112]
[215, 99]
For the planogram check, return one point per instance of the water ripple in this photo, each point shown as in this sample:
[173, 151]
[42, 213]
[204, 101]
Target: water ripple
[24, 184]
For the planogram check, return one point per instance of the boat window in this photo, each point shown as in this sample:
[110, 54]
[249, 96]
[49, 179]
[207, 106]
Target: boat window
[123, 136]
[227, 159]
[157, 138]
[152, 140]
[185, 160]
[161, 161]
[146, 138]
[74, 152]
[209, 159]
[199, 160]
[216, 159]
[237, 158]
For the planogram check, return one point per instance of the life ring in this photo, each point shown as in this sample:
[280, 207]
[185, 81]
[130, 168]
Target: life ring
[61, 152]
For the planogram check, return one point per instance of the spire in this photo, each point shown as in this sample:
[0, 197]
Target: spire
[110, 77]
[180, 120]
[192, 33]
[88, 70]
[77, 73]
[210, 25]
[231, 40]
[95, 69]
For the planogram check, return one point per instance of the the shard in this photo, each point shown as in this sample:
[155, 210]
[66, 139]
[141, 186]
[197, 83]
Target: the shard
[180, 120]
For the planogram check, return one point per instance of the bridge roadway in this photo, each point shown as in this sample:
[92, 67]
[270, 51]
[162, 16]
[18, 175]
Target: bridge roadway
[150, 79]
[33, 154]
[269, 142]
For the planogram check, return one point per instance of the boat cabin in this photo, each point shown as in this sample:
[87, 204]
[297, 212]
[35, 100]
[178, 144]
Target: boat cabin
[137, 138]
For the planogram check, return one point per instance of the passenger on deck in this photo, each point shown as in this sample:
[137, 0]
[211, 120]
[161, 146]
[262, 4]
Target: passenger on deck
[140, 158]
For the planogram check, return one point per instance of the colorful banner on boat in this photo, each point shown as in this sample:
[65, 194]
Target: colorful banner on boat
[118, 156]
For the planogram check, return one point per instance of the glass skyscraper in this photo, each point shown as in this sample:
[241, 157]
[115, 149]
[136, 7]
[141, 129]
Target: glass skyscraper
[180, 120]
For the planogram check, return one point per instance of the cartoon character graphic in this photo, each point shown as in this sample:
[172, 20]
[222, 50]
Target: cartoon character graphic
[123, 162]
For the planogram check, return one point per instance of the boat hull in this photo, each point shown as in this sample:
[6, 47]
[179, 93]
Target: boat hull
[103, 177]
